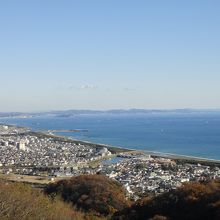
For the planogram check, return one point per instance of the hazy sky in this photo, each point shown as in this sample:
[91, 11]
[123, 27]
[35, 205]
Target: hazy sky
[109, 54]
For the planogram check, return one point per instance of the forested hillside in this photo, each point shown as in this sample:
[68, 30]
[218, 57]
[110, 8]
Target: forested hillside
[96, 197]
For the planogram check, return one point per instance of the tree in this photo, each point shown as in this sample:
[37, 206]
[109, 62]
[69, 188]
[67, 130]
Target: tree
[20, 201]
[94, 193]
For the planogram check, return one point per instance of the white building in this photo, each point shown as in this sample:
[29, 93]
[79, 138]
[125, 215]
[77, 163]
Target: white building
[22, 145]
[104, 152]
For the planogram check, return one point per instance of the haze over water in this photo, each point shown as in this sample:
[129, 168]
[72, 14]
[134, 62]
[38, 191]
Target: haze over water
[192, 134]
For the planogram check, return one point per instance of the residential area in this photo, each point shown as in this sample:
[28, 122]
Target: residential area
[26, 153]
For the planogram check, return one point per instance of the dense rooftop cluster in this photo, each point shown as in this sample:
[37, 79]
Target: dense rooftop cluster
[28, 153]
[147, 175]
[22, 149]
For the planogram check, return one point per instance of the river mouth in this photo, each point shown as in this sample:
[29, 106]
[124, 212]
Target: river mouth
[112, 160]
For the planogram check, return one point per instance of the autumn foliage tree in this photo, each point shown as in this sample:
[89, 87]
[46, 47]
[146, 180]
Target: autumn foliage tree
[191, 201]
[20, 201]
[92, 193]
[99, 195]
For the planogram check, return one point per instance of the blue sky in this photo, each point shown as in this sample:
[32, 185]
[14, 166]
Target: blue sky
[109, 54]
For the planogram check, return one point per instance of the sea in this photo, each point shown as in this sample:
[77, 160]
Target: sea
[191, 134]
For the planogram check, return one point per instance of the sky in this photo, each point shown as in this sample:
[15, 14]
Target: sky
[109, 54]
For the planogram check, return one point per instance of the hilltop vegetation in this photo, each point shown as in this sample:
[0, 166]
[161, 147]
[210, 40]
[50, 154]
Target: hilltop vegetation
[191, 201]
[20, 201]
[91, 193]
[99, 198]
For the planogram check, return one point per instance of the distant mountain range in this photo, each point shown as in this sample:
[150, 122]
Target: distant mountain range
[71, 113]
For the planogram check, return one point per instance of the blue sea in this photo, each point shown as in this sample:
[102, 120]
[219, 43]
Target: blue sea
[192, 134]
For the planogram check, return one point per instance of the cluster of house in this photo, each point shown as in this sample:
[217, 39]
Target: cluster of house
[26, 153]
[12, 130]
[147, 175]
[25, 150]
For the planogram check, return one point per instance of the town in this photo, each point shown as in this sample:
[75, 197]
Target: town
[24, 152]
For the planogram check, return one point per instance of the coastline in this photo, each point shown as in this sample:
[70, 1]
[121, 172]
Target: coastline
[115, 150]
[44, 174]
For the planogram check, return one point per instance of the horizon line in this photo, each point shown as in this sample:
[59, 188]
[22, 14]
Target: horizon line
[113, 109]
